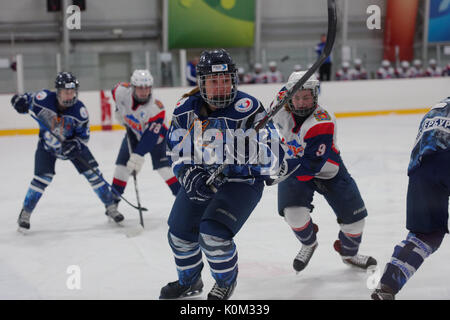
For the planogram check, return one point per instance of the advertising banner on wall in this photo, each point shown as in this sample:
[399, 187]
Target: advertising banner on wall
[211, 23]
[439, 21]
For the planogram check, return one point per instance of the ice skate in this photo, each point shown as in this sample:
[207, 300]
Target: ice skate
[303, 256]
[358, 260]
[24, 221]
[174, 290]
[218, 293]
[384, 292]
[113, 213]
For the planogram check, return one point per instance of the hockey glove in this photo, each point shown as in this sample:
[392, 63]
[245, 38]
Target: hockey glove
[20, 103]
[193, 181]
[135, 162]
[71, 148]
[287, 167]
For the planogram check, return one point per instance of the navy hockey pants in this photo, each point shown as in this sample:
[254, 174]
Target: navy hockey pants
[428, 195]
[341, 193]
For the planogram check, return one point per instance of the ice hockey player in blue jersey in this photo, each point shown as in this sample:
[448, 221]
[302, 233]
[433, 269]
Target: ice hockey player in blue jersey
[67, 117]
[203, 221]
[143, 117]
[426, 201]
[309, 132]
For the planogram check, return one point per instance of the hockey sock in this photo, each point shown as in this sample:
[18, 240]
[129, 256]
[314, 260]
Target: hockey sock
[35, 191]
[408, 256]
[100, 187]
[121, 175]
[306, 234]
[167, 174]
[349, 244]
[222, 258]
[188, 259]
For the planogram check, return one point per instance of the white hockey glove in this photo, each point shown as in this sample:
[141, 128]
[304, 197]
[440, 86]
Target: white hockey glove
[135, 162]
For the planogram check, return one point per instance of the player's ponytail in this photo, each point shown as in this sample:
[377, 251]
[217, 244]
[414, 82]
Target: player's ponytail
[192, 92]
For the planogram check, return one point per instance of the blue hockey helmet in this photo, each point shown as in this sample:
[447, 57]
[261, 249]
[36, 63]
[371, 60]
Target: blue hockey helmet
[217, 64]
[66, 80]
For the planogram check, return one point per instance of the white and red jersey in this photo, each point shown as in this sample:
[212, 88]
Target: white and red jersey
[343, 75]
[258, 77]
[383, 73]
[358, 74]
[138, 117]
[313, 141]
[433, 72]
[414, 72]
[274, 77]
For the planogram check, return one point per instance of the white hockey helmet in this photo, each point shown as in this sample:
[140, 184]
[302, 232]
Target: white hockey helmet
[311, 84]
[357, 62]
[385, 63]
[405, 64]
[345, 65]
[272, 64]
[432, 62]
[141, 78]
[417, 63]
[298, 67]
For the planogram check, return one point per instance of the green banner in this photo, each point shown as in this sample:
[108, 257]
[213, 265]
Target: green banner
[211, 23]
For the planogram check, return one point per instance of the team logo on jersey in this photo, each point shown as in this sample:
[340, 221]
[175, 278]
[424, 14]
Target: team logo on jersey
[41, 95]
[281, 94]
[219, 67]
[439, 105]
[83, 112]
[294, 148]
[243, 105]
[322, 115]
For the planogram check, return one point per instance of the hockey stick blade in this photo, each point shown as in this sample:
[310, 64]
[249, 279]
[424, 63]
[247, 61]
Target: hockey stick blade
[331, 36]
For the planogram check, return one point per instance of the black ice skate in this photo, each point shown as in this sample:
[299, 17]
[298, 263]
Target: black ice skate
[113, 213]
[174, 290]
[24, 221]
[218, 293]
[358, 260]
[303, 256]
[384, 292]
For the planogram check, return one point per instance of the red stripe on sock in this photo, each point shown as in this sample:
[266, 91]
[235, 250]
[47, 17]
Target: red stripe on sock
[119, 183]
[171, 181]
[302, 228]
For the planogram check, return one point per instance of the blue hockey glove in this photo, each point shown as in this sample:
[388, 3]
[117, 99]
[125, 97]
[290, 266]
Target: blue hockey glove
[20, 103]
[71, 148]
[193, 181]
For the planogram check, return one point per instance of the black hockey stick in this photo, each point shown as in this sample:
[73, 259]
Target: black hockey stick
[135, 181]
[85, 163]
[331, 35]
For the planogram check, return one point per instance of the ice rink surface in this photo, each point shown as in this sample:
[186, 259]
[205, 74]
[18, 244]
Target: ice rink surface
[69, 228]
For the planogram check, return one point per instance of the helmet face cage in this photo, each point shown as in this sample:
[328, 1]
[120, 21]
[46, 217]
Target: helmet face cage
[66, 80]
[217, 78]
[223, 85]
[304, 112]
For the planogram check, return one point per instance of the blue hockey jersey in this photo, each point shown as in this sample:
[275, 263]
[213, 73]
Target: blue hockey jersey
[200, 136]
[72, 123]
[434, 134]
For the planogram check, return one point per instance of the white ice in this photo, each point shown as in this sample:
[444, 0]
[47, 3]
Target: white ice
[68, 227]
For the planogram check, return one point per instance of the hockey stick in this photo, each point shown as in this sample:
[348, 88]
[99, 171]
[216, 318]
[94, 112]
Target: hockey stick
[135, 180]
[331, 35]
[85, 163]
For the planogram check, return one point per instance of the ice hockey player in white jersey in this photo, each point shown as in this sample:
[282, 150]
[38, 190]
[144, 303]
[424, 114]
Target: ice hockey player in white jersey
[416, 70]
[344, 74]
[274, 75]
[143, 116]
[385, 71]
[358, 72]
[433, 69]
[309, 132]
[403, 70]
